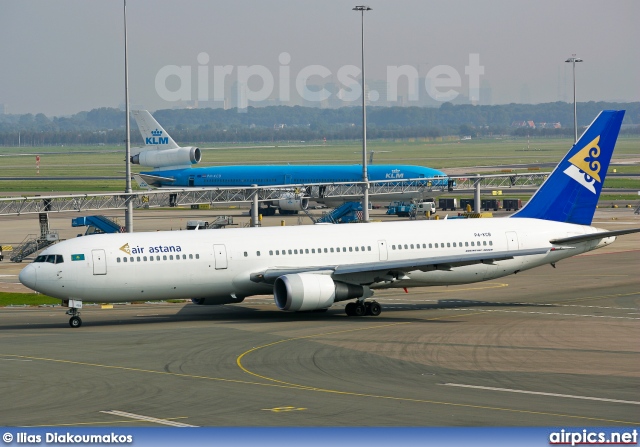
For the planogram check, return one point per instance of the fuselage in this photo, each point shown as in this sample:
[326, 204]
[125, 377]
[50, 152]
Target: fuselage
[218, 265]
[269, 175]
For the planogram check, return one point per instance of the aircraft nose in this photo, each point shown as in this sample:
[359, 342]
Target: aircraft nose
[27, 276]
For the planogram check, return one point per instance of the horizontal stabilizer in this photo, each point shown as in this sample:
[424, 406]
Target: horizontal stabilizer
[156, 180]
[593, 236]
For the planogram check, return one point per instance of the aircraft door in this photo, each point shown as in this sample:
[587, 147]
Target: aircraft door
[192, 180]
[382, 249]
[99, 262]
[220, 255]
[512, 240]
[287, 179]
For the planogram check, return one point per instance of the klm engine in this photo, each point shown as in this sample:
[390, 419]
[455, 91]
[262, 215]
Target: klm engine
[293, 203]
[180, 156]
[306, 291]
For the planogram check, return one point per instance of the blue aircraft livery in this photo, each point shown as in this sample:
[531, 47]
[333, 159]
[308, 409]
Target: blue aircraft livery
[267, 175]
[170, 166]
[571, 192]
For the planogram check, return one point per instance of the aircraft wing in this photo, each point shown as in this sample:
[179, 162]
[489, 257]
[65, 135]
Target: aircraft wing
[401, 266]
[593, 236]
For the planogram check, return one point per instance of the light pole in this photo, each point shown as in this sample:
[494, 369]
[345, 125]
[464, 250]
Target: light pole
[573, 59]
[128, 213]
[365, 176]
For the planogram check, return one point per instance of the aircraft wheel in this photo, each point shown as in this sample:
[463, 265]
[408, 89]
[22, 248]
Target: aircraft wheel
[359, 310]
[374, 308]
[75, 322]
[349, 309]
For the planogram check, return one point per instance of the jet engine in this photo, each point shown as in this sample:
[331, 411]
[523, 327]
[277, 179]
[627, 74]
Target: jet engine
[293, 204]
[307, 291]
[169, 157]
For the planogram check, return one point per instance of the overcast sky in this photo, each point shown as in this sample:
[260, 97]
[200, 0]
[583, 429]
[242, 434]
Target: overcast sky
[63, 56]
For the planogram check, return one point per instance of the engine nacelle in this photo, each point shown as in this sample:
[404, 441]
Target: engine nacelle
[293, 204]
[169, 157]
[217, 300]
[307, 291]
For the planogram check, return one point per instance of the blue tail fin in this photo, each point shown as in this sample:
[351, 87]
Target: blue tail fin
[571, 192]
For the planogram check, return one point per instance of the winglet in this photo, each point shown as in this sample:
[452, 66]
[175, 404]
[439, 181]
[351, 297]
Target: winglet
[571, 192]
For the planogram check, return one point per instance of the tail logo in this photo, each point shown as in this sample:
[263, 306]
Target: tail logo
[585, 167]
[156, 138]
[125, 248]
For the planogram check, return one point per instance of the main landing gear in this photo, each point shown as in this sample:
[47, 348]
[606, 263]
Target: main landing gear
[362, 308]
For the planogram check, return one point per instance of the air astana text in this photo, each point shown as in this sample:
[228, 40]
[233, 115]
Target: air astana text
[153, 249]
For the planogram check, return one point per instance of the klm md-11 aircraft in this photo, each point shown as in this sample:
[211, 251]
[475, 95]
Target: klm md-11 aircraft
[172, 167]
[311, 267]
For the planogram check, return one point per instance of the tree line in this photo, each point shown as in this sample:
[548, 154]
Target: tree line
[284, 123]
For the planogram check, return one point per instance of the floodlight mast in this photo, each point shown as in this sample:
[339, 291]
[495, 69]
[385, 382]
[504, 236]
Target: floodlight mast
[365, 176]
[573, 59]
[128, 213]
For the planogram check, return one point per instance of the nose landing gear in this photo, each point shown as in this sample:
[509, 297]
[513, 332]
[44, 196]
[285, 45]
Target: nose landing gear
[74, 305]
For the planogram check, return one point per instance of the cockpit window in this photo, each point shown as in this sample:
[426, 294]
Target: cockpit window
[53, 259]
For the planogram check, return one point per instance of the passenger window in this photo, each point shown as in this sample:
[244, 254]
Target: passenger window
[369, 248]
[362, 248]
[406, 247]
[466, 244]
[164, 257]
[124, 259]
[430, 246]
[331, 249]
[473, 244]
[393, 247]
[197, 256]
[257, 253]
[151, 258]
[158, 258]
[484, 242]
[490, 242]
[344, 249]
[448, 244]
[295, 252]
[270, 252]
[138, 259]
[171, 257]
[424, 245]
[454, 244]
[289, 251]
[144, 258]
[356, 248]
[277, 252]
[131, 259]
[184, 256]
[313, 250]
[411, 246]
[117, 260]
[245, 254]
[306, 251]
[325, 250]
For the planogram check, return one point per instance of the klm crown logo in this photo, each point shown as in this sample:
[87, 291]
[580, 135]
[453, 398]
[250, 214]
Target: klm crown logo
[156, 138]
[585, 167]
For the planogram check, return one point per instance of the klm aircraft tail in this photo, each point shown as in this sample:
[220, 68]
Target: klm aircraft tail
[571, 192]
[154, 136]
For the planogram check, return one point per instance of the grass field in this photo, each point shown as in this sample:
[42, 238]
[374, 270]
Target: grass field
[108, 161]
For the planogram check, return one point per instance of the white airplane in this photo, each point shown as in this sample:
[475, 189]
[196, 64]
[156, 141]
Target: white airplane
[311, 267]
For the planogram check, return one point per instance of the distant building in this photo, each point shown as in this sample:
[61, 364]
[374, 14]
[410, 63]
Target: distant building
[3, 109]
